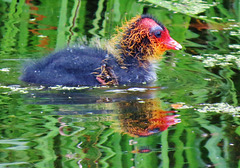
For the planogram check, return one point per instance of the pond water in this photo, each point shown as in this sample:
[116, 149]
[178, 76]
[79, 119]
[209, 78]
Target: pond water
[190, 118]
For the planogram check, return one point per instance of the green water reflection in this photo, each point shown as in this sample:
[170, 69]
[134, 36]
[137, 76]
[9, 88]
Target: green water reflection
[190, 119]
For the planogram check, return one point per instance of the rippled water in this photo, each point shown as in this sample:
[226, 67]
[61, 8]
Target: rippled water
[190, 118]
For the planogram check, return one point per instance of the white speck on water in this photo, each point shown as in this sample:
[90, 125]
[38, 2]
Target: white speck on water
[42, 36]
[5, 69]
[137, 89]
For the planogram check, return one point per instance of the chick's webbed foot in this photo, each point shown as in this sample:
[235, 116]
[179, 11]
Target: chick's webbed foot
[107, 76]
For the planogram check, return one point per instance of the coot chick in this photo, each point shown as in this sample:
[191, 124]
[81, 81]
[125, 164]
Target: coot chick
[128, 62]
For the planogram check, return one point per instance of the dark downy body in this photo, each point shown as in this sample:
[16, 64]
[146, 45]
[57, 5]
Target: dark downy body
[81, 65]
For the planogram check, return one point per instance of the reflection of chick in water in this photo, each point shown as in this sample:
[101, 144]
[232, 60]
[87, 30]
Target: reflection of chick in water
[144, 118]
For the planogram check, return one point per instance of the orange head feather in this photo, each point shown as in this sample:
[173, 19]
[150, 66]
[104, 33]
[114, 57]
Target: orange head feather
[145, 39]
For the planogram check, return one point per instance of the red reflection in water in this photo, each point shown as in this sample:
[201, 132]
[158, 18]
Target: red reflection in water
[145, 118]
[200, 25]
[43, 40]
[144, 150]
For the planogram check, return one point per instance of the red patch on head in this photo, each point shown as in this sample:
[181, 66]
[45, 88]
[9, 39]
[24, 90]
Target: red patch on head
[148, 23]
[165, 40]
